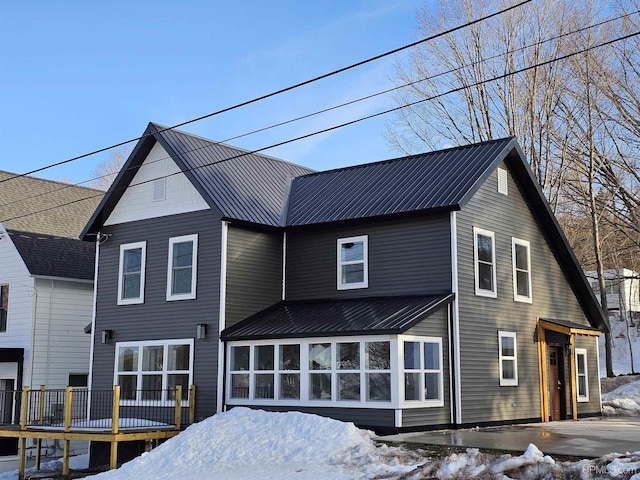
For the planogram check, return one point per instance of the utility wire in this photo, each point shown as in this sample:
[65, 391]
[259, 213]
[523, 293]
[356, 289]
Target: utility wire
[283, 90]
[368, 117]
[351, 102]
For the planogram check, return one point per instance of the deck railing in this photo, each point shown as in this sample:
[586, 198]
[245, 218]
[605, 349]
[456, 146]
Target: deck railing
[68, 408]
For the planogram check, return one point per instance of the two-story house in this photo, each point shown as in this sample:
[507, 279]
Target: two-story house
[430, 290]
[46, 293]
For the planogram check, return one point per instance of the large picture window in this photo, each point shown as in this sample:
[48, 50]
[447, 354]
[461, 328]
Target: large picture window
[521, 259]
[150, 371]
[508, 359]
[353, 270]
[485, 262]
[582, 379]
[131, 273]
[4, 307]
[182, 267]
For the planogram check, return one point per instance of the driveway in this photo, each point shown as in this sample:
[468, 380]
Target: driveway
[587, 438]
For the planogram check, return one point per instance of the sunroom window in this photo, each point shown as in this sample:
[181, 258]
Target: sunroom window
[423, 370]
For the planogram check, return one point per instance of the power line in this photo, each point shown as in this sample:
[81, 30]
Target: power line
[351, 102]
[368, 117]
[283, 90]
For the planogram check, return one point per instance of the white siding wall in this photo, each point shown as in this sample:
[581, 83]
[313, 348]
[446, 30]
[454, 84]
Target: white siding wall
[22, 295]
[61, 346]
[137, 202]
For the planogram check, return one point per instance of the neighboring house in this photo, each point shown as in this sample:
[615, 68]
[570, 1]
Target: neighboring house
[622, 286]
[46, 292]
[431, 290]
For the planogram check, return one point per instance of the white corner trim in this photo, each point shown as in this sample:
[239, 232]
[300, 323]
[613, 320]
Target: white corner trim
[222, 314]
[455, 341]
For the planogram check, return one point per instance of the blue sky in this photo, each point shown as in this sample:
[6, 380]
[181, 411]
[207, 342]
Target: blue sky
[76, 76]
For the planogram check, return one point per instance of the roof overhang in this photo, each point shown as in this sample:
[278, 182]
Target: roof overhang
[568, 328]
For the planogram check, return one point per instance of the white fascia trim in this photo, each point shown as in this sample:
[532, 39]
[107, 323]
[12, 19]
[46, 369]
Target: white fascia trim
[222, 315]
[61, 279]
[456, 371]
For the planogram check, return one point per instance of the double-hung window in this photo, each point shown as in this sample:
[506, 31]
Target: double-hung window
[181, 270]
[508, 359]
[521, 258]
[582, 379]
[484, 250]
[353, 270]
[4, 307]
[150, 371]
[131, 273]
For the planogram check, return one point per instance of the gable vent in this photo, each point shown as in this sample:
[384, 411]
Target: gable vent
[159, 189]
[502, 181]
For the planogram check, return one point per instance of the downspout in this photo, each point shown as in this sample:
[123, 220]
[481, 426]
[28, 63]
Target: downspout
[93, 323]
[222, 315]
[456, 403]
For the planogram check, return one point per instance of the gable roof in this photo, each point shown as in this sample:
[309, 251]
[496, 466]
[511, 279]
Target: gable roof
[33, 204]
[244, 186]
[51, 256]
[437, 181]
[359, 316]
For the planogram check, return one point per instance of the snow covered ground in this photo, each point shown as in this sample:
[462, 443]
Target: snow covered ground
[246, 444]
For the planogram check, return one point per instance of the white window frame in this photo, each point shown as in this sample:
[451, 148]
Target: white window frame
[5, 286]
[523, 243]
[194, 267]
[365, 262]
[508, 382]
[123, 248]
[422, 371]
[164, 372]
[480, 291]
[585, 374]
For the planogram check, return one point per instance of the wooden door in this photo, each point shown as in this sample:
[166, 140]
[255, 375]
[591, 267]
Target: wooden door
[556, 383]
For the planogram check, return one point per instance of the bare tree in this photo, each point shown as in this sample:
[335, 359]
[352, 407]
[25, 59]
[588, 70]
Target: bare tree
[107, 170]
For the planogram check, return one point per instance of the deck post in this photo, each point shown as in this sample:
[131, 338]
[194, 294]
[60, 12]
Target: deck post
[41, 405]
[23, 457]
[38, 453]
[25, 408]
[65, 458]
[178, 412]
[67, 409]
[115, 410]
[113, 458]
[192, 404]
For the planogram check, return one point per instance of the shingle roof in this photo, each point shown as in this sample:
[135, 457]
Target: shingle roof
[439, 180]
[51, 256]
[372, 316]
[33, 204]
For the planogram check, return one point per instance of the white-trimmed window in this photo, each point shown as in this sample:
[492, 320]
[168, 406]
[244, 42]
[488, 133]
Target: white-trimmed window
[521, 259]
[353, 263]
[182, 267]
[582, 380]
[150, 371]
[4, 307]
[508, 358]
[423, 379]
[131, 273]
[484, 249]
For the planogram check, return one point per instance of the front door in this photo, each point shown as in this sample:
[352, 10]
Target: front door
[556, 383]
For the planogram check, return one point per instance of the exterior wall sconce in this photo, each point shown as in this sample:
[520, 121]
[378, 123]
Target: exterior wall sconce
[106, 336]
[201, 331]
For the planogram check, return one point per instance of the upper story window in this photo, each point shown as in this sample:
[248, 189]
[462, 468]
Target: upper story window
[582, 379]
[352, 263]
[181, 270]
[508, 358]
[131, 273]
[485, 262]
[521, 257]
[4, 307]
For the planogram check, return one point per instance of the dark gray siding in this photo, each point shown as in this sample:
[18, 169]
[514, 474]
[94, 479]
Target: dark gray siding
[434, 326]
[361, 417]
[593, 405]
[158, 319]
[254, 272]
[405, 257]
[483, 399]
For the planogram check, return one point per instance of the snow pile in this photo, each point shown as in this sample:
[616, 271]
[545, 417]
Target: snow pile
[624, 400]
[250, 444]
